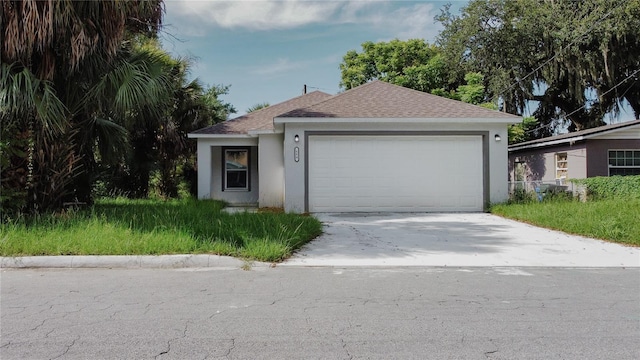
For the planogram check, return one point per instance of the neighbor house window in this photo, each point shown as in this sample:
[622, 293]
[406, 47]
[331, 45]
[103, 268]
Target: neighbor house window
[561, 166]
[624, 162]
[236, 169]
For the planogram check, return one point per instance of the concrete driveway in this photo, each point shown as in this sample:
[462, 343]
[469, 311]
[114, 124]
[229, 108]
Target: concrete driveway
[457, 239]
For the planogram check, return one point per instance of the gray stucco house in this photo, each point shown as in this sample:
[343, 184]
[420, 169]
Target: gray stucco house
[603, 151]
[377, 147]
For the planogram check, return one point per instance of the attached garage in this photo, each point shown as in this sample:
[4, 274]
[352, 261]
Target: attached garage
[396, 173]
[378, 147]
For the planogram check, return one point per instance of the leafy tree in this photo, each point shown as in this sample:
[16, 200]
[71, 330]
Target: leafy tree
[413, 63]
[473, 92]
[257, 107]
[212, 100]
[522, 132]
[569, 56]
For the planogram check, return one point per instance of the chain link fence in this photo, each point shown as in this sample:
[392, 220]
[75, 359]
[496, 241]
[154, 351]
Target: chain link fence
[519, 190]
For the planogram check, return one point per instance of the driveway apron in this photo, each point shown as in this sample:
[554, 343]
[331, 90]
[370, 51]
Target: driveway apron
[452, 239]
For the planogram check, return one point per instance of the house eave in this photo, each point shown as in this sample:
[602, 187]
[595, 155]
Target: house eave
[219, 136]
[263, 132]
[332, 120]
[548, 143]
[568, 140]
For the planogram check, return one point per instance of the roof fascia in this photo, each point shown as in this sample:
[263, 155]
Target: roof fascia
[219, 136]
[547, 143]
[284, 120]
[607, 132]
[569, 139]
[264, 132]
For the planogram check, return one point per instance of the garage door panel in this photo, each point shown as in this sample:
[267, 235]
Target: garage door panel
[395, 173]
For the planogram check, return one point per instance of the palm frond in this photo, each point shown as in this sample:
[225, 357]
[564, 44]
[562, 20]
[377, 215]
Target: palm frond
[112, 139]
[23, 94]
[132, 83]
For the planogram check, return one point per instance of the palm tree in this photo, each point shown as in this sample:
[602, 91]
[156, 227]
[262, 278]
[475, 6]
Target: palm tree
[67, 75]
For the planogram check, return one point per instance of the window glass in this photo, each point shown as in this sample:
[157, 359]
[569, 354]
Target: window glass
[236, 159]
[624, 162]
[236, 169]
[236, 179]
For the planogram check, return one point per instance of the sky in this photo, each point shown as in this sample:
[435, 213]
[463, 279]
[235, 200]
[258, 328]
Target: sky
[268, 50]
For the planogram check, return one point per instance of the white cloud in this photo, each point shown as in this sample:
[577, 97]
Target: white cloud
[255, 14]
[405, 19]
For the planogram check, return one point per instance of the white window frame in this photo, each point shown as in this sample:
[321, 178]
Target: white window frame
[566, 163]
[635, 152]
[225, 171]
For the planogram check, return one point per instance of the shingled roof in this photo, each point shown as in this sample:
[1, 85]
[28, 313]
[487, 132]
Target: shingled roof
[572, 136]
[379, 99]
[262, 119]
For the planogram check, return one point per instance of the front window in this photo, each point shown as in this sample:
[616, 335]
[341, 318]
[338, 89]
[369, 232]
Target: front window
[562, 168]
[624, 162]
[236, 169]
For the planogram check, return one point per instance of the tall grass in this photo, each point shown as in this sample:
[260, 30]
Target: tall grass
[614, 219]
[153, 227]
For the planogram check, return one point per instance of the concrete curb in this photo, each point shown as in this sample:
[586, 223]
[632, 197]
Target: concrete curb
[128, 262]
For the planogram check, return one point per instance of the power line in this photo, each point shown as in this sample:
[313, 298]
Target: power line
[604, 93]
[585, 105]
[553, 57]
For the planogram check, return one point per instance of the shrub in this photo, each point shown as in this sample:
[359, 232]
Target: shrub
[523, 196]
[614, 187]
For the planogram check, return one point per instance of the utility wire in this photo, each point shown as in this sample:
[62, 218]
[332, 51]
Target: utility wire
[585, 105]
[495, 97]
[548, 61]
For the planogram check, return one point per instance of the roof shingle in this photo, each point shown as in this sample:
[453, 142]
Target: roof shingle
[262, 119]
[376, 99]
[379, 99]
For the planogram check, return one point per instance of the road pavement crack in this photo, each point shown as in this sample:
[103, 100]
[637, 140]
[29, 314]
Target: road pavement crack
[488, 354]
[184, 334]
[22, 309]
[37, 326]
[68, 347]
[344, 347]
[233, 345]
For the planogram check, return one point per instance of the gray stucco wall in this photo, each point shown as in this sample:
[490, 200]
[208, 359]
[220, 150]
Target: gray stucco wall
[271, 169]
[598, 157]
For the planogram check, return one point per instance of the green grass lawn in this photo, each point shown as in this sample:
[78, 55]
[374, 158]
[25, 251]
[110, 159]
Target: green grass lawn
[616, 220]
[155, 227]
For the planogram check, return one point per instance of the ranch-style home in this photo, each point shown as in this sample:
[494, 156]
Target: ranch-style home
[603, 151]
[375, 148]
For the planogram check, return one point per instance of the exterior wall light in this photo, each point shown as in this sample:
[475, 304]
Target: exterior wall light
[497, 137]
[296, 138]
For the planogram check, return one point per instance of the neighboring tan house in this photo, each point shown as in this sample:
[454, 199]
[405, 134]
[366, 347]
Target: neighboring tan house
[377, 147]
[603, 151]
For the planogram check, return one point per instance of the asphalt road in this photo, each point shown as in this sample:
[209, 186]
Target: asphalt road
[321, 313]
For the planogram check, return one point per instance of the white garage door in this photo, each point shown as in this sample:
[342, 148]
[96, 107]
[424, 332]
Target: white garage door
[395, 173]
